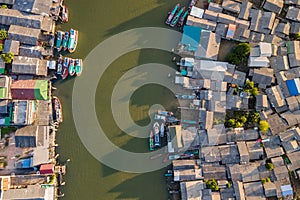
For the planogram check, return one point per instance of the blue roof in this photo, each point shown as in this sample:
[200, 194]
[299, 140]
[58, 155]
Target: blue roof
[293, 86]
[286, 190]
[191, 37]
[26, 163]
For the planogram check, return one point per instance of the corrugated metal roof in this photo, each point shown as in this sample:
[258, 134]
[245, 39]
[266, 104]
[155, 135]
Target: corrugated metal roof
[293, 86]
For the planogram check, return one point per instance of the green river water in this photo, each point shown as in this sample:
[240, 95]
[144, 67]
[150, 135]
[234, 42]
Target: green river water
[97, 20]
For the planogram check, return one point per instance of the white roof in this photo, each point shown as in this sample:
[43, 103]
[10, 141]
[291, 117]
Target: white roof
[213, 65]
[187, 59]
[197, 12]
[265, 49]
[258, 62]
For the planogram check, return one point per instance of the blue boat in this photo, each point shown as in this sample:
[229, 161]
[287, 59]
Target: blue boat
[172, 13]
[72, 67]
[65, 41]
[73, 40]
[59, 39]
[182, 18]
[177, 17]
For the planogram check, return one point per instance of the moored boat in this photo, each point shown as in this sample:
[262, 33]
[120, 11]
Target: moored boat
[59, 39]
[192, 3]
[182, 18]
[65, 72]
[65, 41]
[151, 141]
[59, 66]
[155, 156]
[177, 17]
[71, 67]
[64, 14]
[78, 67]
[156, 134]
[72, 44]
[57, 108]
[162, 130]
[172, 13]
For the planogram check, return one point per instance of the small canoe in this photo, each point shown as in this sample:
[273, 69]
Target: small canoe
[177, 17]
[162, 130]
[71, 67]
[172, 13]
[78, 67]
[151, 141]
[72, 44]
[65, 41]
[64, 14]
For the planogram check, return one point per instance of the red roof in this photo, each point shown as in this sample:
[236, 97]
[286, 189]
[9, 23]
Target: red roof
[47, 169]
[23, 89]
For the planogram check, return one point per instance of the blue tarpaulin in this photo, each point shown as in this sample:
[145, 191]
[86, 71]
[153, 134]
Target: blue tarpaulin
[293, 86]
[26, 163]
[191, 37]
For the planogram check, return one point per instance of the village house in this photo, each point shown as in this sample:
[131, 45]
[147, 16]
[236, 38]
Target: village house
[30, 90]
[263, 77]
[293, 13]
[254, 190]
[32, 136]
[30, 66]
[255, 150]
[273, 5]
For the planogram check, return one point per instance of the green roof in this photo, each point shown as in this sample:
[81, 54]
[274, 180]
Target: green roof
[41, 90]
[3, 93]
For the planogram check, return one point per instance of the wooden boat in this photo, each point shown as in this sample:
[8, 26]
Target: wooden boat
[78, 67]
[64, 14]
[59, 39]
[65, 68]
[172, 13]
[72, 44]
[192, 3]
[71, 67]
[65, 41]
[156, 134]
[182, 18]
[57, 110]
[151, 141]
[177, 17]
[59, 66]
[162, 130]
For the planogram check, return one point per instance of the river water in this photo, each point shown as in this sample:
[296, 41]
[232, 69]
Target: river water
[87, 178]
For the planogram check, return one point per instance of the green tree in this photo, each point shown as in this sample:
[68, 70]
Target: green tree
[249, 84]
[264, 126]
[254, 117]
[243, 119]
[231, 122]
[228, 185]
[269, 166]
[3, 34]
[4, 6]
[212, 184]
[263, 181]
[233, 59]
[254, 91]
[1, 47]
[268, 180]
[295, 36]
[238, 125]
[7, 58]
[242, 50]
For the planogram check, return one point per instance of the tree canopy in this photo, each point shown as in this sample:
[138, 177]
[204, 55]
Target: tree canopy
[264, 126]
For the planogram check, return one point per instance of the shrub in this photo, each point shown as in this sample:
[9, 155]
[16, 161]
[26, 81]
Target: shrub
[243, 119]
[268, 180]
[263, 181]
[228, 185]
[4, 6]
[7, 58]
[264, 126]
[212, 184]
[3, 34]
[231, 122]
[269, 166]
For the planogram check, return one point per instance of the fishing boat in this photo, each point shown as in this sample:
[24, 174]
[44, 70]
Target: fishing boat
[59, 39]
[65, 72]
[72, 44]
[172, 13]
[177, 17]
[156, 134]
[65, 41]
[151, 141]
[78, 67]
[162, 130]
[71, 67]
[57, 108]
[192, 3]
[64, 14]
[182, 18]
[59, 66]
